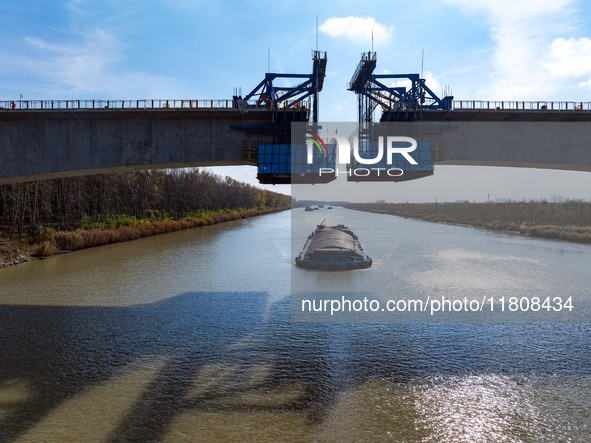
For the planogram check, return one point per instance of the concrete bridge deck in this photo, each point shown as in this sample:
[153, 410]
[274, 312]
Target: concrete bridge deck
[47, 139]
[39, 141]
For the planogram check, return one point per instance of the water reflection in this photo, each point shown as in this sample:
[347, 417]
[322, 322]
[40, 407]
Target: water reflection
[59, 353]
[196, 365]
[172, 370]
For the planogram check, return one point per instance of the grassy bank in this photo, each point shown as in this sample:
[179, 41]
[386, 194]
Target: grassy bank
[570, 220]
[90, 232]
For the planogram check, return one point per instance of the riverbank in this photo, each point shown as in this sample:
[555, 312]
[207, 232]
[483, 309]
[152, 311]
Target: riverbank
[570, 220]
[112, 230]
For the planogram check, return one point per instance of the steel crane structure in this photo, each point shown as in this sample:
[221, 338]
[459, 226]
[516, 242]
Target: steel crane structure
[272, 96]
[398, 104]
[270, 144]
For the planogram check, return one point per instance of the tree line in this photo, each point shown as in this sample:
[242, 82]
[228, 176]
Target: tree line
[62, 203]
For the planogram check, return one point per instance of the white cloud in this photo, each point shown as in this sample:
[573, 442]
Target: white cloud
[80, 65]
[90, 66]
[357, 29]
[570, 57]
[515, 11]
[529, 47]
[433, 83]
[74, 6]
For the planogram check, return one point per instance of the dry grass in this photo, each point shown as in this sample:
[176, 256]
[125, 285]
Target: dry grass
[86, 238]
[569, 220]
[45, 249]
[53, 242]
[13, 252]
[581, 234]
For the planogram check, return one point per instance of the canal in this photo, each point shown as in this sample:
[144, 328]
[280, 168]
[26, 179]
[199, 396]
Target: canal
[191, 336]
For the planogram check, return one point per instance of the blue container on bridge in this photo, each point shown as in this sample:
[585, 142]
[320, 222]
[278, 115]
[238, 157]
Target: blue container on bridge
[285, 164]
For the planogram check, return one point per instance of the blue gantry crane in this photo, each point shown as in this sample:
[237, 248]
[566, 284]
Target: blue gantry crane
[268, 94]
[287, 105]
[398, 103]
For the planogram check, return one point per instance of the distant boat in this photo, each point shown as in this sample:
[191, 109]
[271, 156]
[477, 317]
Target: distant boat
[308, 208]
[330, 207]
[333, 248]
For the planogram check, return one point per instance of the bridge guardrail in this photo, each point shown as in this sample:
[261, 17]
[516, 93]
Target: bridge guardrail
[50, 105]
[144, 104]
[520, 105]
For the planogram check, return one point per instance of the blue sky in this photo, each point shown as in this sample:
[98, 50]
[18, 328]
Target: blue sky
[108, 49]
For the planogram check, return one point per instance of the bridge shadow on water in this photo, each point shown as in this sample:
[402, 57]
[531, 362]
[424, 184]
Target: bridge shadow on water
[61, 351]
[245, 349]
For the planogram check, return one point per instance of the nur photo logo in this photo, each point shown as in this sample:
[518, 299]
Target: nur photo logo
[380, 155]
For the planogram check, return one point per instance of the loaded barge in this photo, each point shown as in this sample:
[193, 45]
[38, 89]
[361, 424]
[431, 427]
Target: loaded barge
[333, 248]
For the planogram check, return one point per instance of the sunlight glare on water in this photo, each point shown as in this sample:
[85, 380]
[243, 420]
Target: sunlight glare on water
[188, 337]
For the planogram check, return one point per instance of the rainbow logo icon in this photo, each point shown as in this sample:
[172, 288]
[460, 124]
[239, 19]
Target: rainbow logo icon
[318, 142]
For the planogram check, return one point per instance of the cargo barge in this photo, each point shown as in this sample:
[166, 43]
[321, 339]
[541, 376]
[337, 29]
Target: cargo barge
[333, 248]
